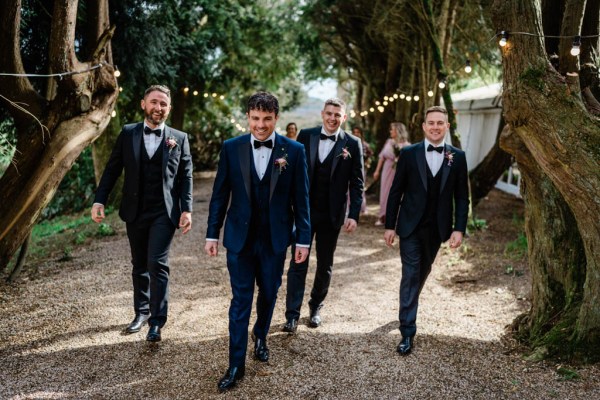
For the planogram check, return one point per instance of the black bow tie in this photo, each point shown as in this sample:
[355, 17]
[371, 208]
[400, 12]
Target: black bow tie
[325, 137]
[439, 149]
[267, 143]
[148, 131]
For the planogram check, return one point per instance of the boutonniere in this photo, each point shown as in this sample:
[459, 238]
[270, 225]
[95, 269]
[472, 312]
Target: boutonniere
[345, 153]
[281, 162]
[450, 157]
[171, 143]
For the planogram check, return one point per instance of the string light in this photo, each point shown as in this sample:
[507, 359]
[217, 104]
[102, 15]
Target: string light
[468, 68]
[186, 89]
[576, 49]
[195, 93]
[430, 93]
[504, 38]
[442, 83]
[60, 74]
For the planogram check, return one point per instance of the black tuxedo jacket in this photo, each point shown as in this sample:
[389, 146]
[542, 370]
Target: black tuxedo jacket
[409, 192]
[176, 172]
[346, 172]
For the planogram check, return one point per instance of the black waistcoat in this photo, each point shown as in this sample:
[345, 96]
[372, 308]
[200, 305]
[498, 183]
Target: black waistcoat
[319, 190]
[151, 187]
[260, 228]
[433, 195]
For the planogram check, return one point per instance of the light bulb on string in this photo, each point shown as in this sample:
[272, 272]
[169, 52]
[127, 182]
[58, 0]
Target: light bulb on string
[113, 113]
[186, 89]
[395, 95]
[430, 93]
[205, 94]
[377, 103]
[468, 68]
[504, 38]
[442, 83]
[408, 98]
[416, 98]
[385, 103]
[576, 49]
[402, 95]
[195, 93]
[381, 109]
[371, 109]
[117, 73]
[121, 89]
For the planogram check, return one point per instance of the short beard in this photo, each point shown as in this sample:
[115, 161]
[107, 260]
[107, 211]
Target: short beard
[152, 121]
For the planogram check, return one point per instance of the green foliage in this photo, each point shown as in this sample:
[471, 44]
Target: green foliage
[517, 249]
[534, 77]
[7, 141]
[478, 224]
[76, 189]
[105, 229]
[567, 374]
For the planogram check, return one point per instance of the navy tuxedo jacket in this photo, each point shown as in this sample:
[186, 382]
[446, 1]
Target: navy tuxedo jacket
[231, 195]
[176, 172]
[409, 192]
[346, 172]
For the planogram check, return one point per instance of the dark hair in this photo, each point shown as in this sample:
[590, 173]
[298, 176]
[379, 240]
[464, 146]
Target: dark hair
[359, 129]
[159, 88]
[334, 101]
[436, 109]
[263, 101]
[290, 124]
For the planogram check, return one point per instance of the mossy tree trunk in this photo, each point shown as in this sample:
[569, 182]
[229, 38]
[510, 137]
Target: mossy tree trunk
[556, 144]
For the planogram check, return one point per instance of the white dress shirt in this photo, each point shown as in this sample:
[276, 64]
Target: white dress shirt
[151, 141]
[434, 159]
[262, 155]
[325, 146]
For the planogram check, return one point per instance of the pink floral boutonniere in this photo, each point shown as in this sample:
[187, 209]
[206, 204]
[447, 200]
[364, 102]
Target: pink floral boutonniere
[345, 153]
[281, 162]
[450, 157]
[171, 143]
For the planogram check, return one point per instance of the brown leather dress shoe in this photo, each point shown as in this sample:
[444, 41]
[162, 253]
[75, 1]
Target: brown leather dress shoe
[231, 377]
[405, 346]
[137, 323]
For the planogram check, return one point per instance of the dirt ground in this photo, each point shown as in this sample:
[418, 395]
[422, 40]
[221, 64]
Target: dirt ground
[61, 328]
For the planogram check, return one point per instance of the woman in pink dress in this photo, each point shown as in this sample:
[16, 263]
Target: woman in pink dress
[386, 166]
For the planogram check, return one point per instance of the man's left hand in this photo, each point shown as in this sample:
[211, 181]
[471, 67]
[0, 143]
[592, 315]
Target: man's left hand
[350, 225]
[455, 239]
[185, 221]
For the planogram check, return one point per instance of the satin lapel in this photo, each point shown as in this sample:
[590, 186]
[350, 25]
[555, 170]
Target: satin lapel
[445, 169]
[278, 152]
[165, 150]
[337, 150]
[421, 161]
[314, 153]
[244, 157]
[136, 142]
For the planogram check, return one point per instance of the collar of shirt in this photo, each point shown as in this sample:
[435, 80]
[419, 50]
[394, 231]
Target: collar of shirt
[336, 133]
[253, 139]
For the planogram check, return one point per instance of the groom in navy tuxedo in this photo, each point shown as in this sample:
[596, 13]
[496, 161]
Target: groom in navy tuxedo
[262, 186]
[428, 204]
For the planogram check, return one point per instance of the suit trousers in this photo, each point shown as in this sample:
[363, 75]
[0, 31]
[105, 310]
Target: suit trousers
[255, 264]
[417, 252]
[150, 237]
[325, 237]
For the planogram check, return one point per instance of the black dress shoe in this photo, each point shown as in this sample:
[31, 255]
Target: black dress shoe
[291, 325]
[231, 377]
[153, 334]
[315, 319]
[405, 346]
[137, 323]
[261, 351]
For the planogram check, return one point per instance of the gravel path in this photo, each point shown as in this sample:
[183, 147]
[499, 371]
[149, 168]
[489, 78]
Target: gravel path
[61, 333]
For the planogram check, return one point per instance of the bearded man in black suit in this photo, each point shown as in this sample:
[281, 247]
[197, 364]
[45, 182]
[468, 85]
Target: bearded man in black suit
[428, 204]
[157, 199]
[335, 170]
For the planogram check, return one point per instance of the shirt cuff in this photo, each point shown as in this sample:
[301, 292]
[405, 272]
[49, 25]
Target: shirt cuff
[212, 240]
[306, 246]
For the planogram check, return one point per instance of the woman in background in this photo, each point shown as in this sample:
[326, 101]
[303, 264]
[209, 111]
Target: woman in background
[388, 157]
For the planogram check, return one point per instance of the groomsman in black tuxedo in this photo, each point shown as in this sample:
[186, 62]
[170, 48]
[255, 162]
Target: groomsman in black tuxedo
[262, 186]
[335, 168]
[157, 199]
[430, 190]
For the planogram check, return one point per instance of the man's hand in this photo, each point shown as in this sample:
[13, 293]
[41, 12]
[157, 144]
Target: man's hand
[456, 239]
[97, 212]
[350, 225]
[211, 247]
[301, 254]
[185, 221]
[389, 235]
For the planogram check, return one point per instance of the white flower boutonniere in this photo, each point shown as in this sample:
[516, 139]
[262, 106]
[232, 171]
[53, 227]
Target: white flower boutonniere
[345, 153]
[281, 162]
[171, 143]
[450, 157]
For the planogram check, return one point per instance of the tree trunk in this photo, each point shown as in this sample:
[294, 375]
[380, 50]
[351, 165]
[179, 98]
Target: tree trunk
[180, 98]
[563, 140]
[72, 119]
[483, 178]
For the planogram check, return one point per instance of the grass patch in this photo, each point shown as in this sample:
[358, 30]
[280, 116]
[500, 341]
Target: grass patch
[517, 249]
